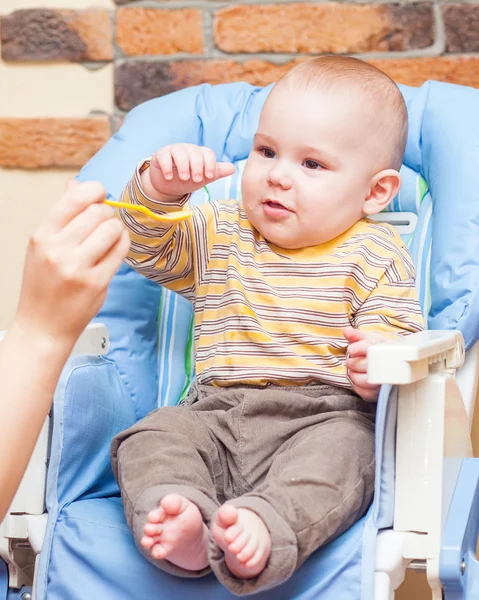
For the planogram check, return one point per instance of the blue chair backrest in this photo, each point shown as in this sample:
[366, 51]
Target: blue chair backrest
[443, 148]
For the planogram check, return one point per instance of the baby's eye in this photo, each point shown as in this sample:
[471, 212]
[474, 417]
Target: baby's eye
[267, 152]
[312, 164]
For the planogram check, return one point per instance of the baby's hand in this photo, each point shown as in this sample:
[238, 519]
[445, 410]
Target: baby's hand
[356, 361]
[181, 169]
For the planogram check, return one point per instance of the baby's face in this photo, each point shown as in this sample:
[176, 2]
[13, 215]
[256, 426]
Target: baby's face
[310, 169]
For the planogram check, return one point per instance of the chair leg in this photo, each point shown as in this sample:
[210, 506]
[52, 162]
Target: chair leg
[433, 579]
[34, 586]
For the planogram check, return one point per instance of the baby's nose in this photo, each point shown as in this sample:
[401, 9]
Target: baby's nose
[279, 176]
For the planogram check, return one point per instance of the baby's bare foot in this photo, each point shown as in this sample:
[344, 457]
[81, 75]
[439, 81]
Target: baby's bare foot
[176, 532]
[244, 538]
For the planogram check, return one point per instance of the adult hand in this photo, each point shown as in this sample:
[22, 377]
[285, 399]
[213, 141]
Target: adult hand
[70, 261]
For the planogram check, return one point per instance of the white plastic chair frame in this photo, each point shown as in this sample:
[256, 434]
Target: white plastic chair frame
[435, 413]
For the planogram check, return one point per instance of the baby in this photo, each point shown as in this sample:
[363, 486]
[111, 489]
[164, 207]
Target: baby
[272, 453]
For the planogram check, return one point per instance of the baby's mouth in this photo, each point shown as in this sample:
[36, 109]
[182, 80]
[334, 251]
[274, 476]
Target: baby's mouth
[274, 204]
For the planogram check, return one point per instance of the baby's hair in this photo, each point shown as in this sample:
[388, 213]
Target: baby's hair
[366, 80]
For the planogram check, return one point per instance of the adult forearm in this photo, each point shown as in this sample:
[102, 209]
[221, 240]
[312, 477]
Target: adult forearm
[30, 365]
[70, 261]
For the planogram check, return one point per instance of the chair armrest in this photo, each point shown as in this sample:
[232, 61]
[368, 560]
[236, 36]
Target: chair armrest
[408, 359]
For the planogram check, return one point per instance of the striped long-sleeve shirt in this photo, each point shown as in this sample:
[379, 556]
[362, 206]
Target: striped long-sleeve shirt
[264, 314]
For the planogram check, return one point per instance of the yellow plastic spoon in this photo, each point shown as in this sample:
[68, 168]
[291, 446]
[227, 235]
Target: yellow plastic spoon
[174, 217]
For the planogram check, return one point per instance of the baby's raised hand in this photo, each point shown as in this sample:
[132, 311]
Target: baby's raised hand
[181, 169]
[356, 360]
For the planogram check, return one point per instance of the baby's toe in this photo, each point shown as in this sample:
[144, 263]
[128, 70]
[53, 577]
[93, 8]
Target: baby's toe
[240, 542]
[233, 532]
[257, 558]
[151, 529]
[173, 504]
[147, 541]
[248, 553]
[158, 551]
[227, 516]
[157, 515]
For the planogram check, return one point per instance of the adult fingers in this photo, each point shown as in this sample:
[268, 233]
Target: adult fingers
[71, 183]
[99, 242]
[81, 226]
[74, 201]
[111, 261]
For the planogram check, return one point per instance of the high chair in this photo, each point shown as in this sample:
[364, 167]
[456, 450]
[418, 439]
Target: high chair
[68, 531]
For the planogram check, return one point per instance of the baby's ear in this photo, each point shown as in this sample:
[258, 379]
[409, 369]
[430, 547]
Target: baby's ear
[384, 186]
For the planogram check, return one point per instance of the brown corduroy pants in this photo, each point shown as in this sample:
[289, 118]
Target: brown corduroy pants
[302, 458]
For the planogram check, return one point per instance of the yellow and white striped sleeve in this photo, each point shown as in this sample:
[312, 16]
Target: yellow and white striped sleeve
[392, 308]
[164, 252]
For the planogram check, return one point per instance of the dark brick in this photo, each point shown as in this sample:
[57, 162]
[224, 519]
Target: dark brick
[45, 34]
[462, 27]
[413, 27]
[138, 81]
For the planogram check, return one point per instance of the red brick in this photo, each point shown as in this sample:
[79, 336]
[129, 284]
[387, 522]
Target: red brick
[44, 143]
[141, 31]
[46, 34]
[462, 70]
[312, 28]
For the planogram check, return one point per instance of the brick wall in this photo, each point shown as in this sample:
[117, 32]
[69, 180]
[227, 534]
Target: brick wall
[160, 46]
[70, 69]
